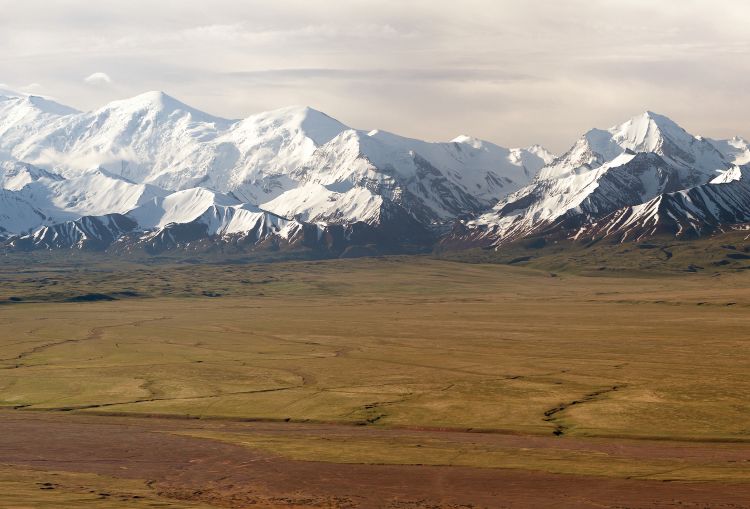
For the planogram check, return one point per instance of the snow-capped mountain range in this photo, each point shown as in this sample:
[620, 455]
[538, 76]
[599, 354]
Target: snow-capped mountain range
[641, 178]
[159, 163]
[153, 172]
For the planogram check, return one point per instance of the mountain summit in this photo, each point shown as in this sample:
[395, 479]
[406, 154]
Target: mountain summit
[605, 170]
[151, 172]
[162, 163]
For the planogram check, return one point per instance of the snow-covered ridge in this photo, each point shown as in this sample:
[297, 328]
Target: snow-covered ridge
[154, 138]
[160, 161]
[694, 212]
[627, 165]
[176, 174]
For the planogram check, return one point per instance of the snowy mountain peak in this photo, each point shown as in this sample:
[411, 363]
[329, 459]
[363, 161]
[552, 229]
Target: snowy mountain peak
[468, 140]
[606, 170]
[49, 106]
[153, 99]
[29, 103]
[158, 163]
[158, 103]
[542, 153]
[313, 124]
[698, 159]
[516, 155]
[179, 207]
[646, 132]
[14, 176]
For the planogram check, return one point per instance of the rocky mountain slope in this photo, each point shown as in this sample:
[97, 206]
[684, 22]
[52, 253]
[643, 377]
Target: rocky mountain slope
[151, 172]
[615, 173]
[691, 212]
[161, 163]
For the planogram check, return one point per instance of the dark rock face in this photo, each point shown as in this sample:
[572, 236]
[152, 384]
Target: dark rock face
[690, 213]
[90, 233]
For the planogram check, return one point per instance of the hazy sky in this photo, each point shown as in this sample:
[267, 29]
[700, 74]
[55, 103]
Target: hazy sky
[511, 71]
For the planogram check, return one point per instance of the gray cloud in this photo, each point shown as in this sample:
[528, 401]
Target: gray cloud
[513, 72]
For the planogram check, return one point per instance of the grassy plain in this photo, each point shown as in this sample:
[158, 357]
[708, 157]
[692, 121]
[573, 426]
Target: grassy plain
[28, 488]
[392, 344]
[693, 462]
[389, 342]
[726, 252]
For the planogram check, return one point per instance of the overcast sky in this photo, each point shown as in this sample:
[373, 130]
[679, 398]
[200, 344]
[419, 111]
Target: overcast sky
[510, 71]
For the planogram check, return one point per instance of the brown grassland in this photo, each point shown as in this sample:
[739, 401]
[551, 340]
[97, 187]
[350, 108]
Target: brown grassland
[388, 361]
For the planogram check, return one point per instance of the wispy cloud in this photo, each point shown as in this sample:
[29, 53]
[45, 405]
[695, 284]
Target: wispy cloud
[429, 75]
[98, 78]
[513, 72]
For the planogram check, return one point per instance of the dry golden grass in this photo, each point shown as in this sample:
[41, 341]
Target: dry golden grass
[35, 489]
[390, 342]
[592, 458]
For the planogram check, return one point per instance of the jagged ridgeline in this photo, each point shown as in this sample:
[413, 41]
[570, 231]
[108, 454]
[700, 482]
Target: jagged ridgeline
[645, 177]
[153, 174]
